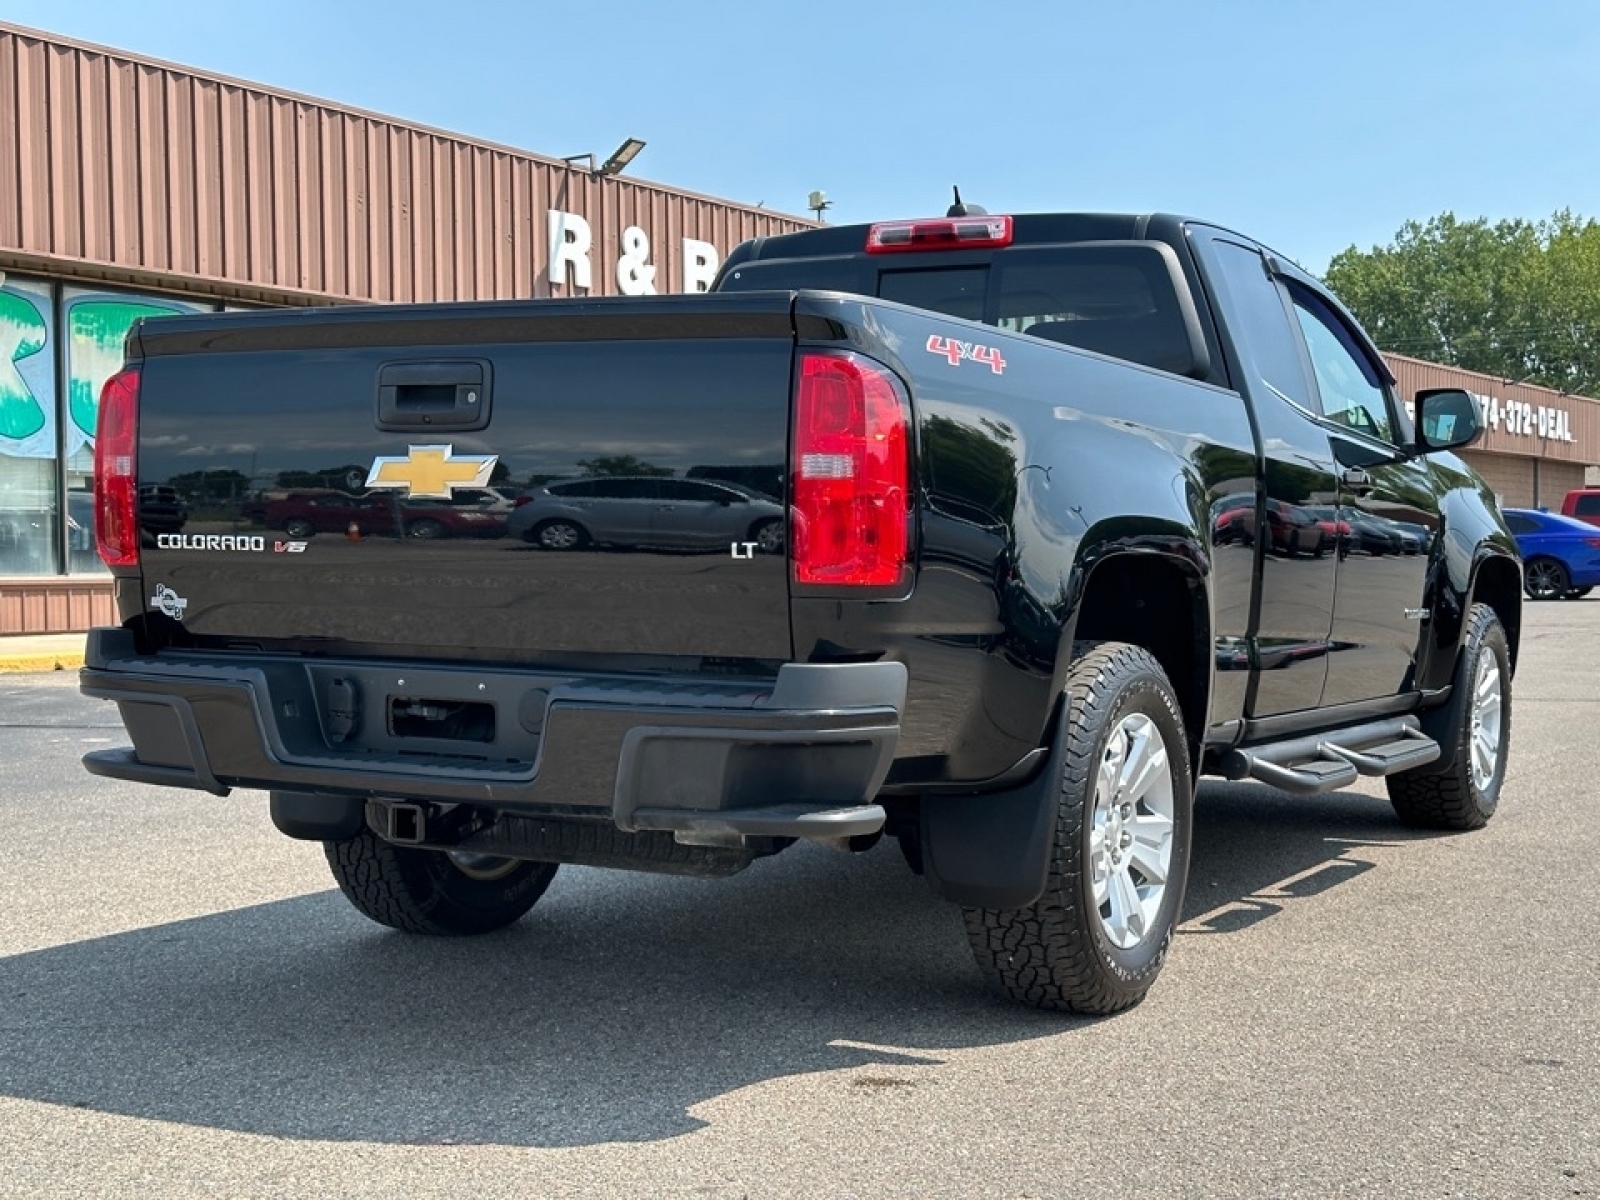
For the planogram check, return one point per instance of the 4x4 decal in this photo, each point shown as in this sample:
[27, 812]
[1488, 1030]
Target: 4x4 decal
[956, 352]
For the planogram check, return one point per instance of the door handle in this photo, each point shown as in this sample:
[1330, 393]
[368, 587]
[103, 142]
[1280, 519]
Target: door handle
[1356, 480]
[447, 394]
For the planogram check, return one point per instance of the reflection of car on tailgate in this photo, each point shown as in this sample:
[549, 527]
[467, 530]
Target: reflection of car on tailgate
[161, 509]
[630, 510]
[469, 513]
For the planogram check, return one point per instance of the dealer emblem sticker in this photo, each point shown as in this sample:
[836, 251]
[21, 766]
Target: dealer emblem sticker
[168, 602]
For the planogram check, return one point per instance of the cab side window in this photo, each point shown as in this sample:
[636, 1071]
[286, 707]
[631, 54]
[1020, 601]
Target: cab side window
[1353, 392]
[1261, 322]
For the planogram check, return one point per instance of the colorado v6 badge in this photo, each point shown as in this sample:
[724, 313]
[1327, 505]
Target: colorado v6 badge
[431, 472]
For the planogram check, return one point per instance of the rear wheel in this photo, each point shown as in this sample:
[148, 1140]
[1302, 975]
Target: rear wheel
[434, 891]
[1465, 794]
[424, 530]
[1546, 579]
[1097, 937]
[298, 527]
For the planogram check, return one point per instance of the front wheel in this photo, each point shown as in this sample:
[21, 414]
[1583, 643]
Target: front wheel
[1465, 794]
[559, 535]
[768, 536]
[1097, 937]
[1546, 579]
[434, 891]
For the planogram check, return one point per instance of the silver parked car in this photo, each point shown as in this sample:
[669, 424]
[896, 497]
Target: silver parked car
[627, 510]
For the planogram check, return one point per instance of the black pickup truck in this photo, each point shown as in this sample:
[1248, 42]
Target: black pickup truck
[987, 533]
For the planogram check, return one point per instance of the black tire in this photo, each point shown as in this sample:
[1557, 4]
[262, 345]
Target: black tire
[299, 527]
[559, 535]
[1058, 954]
[1577, 593]
[1462, 796]
[424, 530]
[426, 891]
[768, 536]
[1545, 579]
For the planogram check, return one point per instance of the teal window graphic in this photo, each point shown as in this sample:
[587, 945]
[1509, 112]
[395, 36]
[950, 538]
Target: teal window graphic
[96, 330]
[22, 335]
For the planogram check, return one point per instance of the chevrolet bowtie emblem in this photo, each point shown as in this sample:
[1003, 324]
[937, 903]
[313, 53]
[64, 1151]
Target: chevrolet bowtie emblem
[431, 471]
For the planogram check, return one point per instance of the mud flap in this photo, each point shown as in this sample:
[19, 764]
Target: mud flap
[991, 850]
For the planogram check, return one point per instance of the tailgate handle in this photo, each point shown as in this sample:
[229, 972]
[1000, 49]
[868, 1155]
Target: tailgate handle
[437, 394]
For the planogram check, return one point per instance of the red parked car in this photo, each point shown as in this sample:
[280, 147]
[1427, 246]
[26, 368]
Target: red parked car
[382, 514]
[1583, 503]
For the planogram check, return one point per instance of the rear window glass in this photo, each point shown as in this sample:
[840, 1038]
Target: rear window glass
[1520, 524]
[1069, 288]
[957, 293]
[1115, 298]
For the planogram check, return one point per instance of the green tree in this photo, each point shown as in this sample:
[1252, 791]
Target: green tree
[620, 464]
[210, 487]
[1517, 299]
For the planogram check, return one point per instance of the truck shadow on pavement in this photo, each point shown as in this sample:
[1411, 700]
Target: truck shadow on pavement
[612, 1011]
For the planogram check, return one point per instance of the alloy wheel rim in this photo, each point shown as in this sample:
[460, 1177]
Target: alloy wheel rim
[1488, 711]
[1130, 842]
[1543, 579]
[559, 537]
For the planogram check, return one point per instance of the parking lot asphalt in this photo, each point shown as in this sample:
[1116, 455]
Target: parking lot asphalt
[187, 1008]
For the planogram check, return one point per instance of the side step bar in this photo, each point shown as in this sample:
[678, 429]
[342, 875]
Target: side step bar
[1325, 762]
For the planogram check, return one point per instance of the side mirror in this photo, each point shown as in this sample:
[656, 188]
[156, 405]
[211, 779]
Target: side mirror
[1447, 418]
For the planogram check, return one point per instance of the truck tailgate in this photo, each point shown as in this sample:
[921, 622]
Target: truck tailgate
[519, 481]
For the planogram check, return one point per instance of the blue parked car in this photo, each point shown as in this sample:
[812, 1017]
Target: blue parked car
[1560, 555]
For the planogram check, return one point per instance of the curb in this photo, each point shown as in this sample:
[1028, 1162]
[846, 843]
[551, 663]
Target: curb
[18, 663]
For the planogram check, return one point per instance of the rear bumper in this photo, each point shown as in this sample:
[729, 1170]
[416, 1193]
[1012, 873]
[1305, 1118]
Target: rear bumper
[802, 755]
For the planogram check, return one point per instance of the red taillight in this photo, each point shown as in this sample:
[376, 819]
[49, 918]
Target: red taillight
[116, 485]
[944, 233]
[850, 474]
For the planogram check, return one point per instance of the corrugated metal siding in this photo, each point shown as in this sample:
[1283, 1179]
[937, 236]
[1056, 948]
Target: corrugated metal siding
[55, 605]
[136, 170]
[1412, 375]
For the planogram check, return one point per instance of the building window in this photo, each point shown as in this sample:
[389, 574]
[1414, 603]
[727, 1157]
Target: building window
[30, 518]
[97, 324]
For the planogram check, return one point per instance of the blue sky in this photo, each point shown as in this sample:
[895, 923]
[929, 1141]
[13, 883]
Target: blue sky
[1309, 126]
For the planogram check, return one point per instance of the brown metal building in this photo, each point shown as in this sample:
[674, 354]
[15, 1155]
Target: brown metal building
[130, 187]
[1539, 444]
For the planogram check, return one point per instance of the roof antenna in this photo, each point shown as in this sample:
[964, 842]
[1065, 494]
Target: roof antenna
[959, 209]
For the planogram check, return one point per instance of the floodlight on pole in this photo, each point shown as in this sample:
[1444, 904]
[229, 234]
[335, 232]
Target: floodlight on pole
[620, 158]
